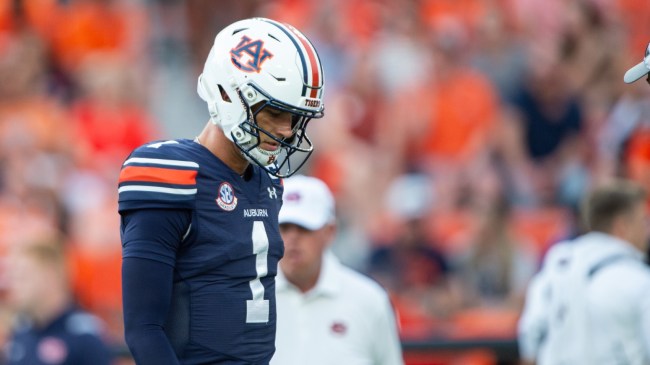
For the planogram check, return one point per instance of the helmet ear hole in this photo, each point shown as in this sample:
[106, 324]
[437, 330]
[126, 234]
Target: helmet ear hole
[224, 94]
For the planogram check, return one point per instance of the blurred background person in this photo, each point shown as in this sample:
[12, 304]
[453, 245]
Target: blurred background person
[49, 328]
[327, 313]
[490, 272]
[589, 304]
[407, 261]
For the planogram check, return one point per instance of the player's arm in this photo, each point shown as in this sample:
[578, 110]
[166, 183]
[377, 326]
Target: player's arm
[157, 188]
[150, 239]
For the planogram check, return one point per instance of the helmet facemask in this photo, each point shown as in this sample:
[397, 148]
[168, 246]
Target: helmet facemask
[292, 153]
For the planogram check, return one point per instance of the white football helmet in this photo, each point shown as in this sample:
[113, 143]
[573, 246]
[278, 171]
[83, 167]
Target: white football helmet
[261, 61]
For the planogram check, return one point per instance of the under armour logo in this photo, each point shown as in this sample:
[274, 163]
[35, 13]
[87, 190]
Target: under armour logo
[256, 52]
[272, 193]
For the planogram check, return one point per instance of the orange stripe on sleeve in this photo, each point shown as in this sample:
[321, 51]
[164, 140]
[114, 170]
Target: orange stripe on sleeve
[158, 174]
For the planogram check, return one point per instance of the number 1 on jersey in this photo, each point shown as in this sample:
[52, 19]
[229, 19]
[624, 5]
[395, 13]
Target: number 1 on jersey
[257, 309]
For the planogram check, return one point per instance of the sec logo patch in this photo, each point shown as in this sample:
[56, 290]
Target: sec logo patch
[226, 198]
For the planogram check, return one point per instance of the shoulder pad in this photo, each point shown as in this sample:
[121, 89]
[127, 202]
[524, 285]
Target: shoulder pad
[157, 175]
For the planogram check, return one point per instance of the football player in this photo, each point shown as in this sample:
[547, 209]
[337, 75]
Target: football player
[200, 217]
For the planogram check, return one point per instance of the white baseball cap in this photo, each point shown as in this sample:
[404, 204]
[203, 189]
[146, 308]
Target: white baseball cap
[639, 70]
[307, 202]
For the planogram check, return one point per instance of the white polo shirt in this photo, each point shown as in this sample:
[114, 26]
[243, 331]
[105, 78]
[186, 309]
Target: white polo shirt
[346, 319]
[590, 304]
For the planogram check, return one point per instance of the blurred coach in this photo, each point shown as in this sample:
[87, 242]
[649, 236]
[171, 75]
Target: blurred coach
[327, 313]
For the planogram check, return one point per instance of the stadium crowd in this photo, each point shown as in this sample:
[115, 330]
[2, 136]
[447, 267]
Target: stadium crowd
[461, 134]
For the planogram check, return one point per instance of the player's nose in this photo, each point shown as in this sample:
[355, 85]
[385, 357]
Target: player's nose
[283, 126]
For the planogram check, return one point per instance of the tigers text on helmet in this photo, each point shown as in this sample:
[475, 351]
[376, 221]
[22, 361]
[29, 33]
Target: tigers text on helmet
[263, 63]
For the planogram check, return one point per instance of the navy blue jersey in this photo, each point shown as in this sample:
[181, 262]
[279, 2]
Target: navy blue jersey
[224, 259]
[74, 338]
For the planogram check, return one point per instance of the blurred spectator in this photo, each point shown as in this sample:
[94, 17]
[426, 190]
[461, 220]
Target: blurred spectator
[549, 121]
[49, 328]
[396, 50]
[490, 272]
[109, 117]
[95, 259]
[495, 268]
[407, 263]
[490, 263]
[460, 121]
[458, 133]
[589, 48]
[78, 28]
[499, 53]
[35, 146]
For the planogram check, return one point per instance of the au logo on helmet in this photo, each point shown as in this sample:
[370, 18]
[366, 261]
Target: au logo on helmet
[256, 52]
